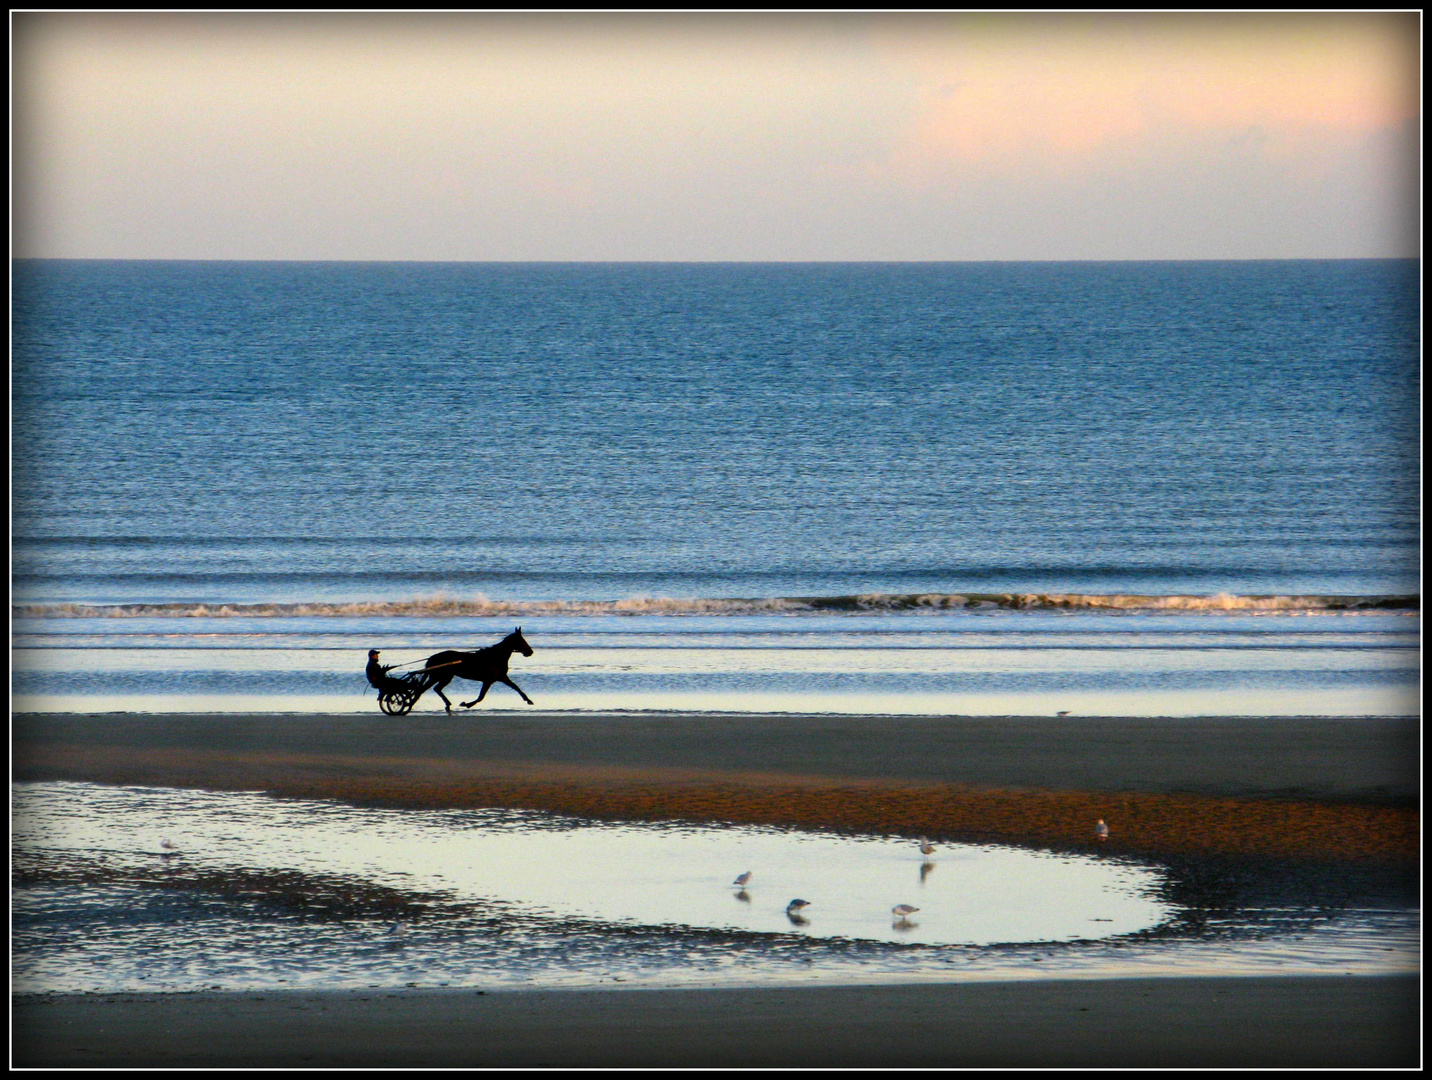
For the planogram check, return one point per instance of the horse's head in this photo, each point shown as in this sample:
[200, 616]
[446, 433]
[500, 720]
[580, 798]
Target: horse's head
[519, 642]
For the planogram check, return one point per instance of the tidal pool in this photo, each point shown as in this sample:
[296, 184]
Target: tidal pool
[621, 873]
[258, 892]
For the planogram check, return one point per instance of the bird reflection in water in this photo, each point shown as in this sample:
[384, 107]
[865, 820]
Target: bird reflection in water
[925, 868]
[743, 896]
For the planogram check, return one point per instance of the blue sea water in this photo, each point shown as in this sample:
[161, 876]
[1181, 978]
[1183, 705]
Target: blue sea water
[1157, 489]
[691, 483]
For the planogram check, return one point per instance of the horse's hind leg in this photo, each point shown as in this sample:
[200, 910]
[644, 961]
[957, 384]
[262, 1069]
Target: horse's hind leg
[482, 694]
[438, 688]
[514, 686]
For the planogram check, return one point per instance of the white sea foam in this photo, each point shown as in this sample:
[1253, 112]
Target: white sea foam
[442, 605]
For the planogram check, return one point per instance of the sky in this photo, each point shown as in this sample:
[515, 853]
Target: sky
[715, 137]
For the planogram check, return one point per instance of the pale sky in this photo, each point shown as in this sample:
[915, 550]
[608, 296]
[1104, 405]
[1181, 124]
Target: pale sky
[716, 136]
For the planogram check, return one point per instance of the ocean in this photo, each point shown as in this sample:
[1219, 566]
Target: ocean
[1148, 489]
[930, 488]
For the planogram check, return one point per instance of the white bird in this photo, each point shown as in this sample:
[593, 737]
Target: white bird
[903, 909]
[926, 848]
[794, 907]
[170, 849]
[1101, 830]
[741, 881]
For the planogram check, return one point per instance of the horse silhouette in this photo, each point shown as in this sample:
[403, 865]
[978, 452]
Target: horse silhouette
[486, 666]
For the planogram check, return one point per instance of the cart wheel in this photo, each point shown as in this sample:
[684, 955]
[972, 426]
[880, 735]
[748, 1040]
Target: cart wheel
[398, 703]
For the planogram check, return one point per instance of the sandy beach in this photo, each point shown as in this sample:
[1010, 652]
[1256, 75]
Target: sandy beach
[1201, 1022]
[1337, 794]
[1301, 788]
[1372, 759]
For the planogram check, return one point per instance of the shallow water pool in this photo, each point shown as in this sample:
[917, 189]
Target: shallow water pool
[129, 887]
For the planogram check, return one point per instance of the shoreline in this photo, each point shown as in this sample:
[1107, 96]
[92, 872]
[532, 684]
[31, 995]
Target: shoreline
[1202, 1021]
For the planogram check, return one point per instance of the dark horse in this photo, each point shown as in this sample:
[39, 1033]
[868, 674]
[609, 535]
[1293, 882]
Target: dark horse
[486, 666]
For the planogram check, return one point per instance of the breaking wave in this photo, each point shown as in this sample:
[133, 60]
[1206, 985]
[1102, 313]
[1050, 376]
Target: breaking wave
[439, 606]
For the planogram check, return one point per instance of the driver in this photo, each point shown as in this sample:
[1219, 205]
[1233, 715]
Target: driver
[377, 673]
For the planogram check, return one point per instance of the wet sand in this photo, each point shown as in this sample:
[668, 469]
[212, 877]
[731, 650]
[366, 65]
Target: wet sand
[1195, 1022]
[1344, 759]
[1300, 788]
[1336, 792]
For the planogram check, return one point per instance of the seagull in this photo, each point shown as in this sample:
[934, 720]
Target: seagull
[926, 848]
[903, 909]
[1101, 830]
[1064, 713]
[794, 907]
[170, 849]
[741, 881]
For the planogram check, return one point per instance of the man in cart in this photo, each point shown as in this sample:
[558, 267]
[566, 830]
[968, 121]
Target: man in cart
[378, 676]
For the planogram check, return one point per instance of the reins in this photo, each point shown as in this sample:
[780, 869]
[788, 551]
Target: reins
[452, 663]
[435, 667]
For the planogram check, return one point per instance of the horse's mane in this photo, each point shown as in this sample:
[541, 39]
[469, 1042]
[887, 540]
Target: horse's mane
[504, 641]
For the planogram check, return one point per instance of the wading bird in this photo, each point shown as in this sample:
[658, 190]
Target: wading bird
[926, 848]
[902, 910]
[1101, 830]
[795, 906]
[741, 881]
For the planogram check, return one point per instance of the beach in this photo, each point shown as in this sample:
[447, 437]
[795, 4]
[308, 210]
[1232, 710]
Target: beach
[1131, 1023]
[1303, 788]
[1332, 797]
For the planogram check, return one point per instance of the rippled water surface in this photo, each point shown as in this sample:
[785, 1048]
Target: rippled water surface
[950, 663]
[124, 888]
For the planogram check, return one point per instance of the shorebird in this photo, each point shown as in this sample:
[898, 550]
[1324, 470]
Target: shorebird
[795, 906]
[1064, 713]
[926, 848]
[902, 910]
[1101, 830]
[170, 849]
[741, 881]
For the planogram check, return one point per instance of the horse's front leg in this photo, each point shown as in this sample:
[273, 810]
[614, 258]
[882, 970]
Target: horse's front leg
[514, 686]
[480, 696]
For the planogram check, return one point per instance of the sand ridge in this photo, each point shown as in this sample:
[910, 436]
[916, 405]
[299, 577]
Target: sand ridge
[1311, 789]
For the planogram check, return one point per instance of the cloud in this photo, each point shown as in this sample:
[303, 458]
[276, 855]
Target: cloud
[696, 136]
[1055, 95]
